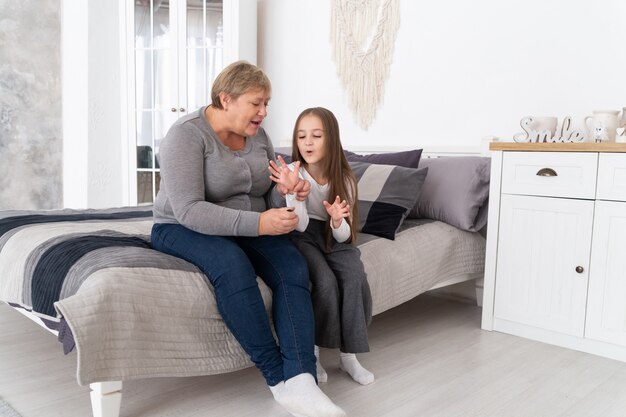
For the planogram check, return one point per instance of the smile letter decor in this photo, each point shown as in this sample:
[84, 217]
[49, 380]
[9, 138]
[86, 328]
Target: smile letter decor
[363, 33]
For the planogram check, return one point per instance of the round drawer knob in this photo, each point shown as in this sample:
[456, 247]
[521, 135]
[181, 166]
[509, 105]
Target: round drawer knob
[580, 269]
[182, 109]
[173, 109]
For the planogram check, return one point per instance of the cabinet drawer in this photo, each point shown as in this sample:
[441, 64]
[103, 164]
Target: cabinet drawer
[612, 177]
[551, 174]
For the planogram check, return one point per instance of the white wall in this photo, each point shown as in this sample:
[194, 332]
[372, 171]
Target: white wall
[107, 167]
[94, 168]
[461, 70]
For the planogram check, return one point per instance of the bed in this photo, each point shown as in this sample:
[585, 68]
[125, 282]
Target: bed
[91, 277]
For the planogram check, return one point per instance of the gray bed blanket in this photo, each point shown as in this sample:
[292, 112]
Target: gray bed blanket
[136, 313]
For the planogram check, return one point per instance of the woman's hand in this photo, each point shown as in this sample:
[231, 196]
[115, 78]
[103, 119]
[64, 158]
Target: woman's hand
[337, 211]
[277, 221]
[283, 176]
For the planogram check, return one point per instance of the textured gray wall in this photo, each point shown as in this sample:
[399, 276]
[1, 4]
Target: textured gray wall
[31, 162]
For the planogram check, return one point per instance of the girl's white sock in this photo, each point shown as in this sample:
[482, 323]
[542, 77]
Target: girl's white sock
[322, 376]
[301, 397]
[351, 365]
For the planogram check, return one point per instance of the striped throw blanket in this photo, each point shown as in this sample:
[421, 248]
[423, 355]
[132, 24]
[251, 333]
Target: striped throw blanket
[41, 248]
[130, 311]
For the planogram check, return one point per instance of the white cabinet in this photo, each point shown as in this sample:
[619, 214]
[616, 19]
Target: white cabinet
[556, 245]
[173, 51]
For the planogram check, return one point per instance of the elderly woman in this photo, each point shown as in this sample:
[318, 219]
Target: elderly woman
[212, 210]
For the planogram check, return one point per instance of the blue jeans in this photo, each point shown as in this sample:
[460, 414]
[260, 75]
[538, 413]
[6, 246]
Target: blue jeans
[231, 265]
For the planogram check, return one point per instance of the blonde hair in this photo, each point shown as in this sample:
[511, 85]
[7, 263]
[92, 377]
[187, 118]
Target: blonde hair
[334, 165]
[238, 78]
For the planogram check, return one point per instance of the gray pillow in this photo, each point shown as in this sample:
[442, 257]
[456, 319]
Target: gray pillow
[386, 194]
[456, 191]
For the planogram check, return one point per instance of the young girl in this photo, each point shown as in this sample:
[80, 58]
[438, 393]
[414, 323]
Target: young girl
[342, 302]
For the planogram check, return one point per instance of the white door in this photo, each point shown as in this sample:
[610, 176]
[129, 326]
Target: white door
[178, 47]
[174, 51]
[543, 258]
[606, 308]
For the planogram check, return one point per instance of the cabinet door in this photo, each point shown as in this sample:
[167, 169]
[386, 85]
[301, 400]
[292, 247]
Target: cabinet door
[541, 243]
[606, 307]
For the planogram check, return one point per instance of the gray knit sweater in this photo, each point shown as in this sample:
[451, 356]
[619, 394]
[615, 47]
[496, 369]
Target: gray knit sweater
[209, 188]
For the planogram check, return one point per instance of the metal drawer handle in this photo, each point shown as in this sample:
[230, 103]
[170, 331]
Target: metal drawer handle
[547, 172]
[580, 269]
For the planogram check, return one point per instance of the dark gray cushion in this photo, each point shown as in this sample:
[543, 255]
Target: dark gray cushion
[285, 152]
[386, 195]
[456, 191]
[408, 159]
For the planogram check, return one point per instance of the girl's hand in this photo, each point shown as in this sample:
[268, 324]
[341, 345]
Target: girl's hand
[337, 211]
[283, 176]
[302, 190]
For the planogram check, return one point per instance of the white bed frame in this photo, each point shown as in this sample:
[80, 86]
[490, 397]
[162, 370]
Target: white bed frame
[106, 397]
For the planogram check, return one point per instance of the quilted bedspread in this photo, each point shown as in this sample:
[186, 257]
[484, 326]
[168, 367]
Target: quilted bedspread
[133, 312]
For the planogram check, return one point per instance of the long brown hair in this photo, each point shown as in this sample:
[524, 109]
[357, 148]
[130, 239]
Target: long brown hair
[335, 166]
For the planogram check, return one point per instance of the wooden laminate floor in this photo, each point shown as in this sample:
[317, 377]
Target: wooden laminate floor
[430, 358]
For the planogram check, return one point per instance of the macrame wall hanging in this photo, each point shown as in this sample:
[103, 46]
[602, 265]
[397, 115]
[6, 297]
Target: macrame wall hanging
[363, 33]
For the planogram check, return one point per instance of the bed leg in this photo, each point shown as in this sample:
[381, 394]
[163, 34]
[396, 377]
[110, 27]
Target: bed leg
[106, 398]
[479, 285]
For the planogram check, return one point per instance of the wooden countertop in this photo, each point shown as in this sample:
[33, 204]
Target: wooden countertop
[558, 147]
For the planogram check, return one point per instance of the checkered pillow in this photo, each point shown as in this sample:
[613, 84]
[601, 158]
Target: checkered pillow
[386, 195]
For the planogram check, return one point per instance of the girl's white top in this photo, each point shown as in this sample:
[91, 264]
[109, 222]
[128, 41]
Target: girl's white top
[314, 208]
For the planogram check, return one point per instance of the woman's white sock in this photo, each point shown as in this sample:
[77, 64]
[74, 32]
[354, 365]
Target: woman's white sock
[301, 397]
[351, 365]
[322, 376]
[277, 390]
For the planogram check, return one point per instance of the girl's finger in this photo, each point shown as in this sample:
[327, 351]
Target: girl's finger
[274, 173]
[273, 165]
[282, 161]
